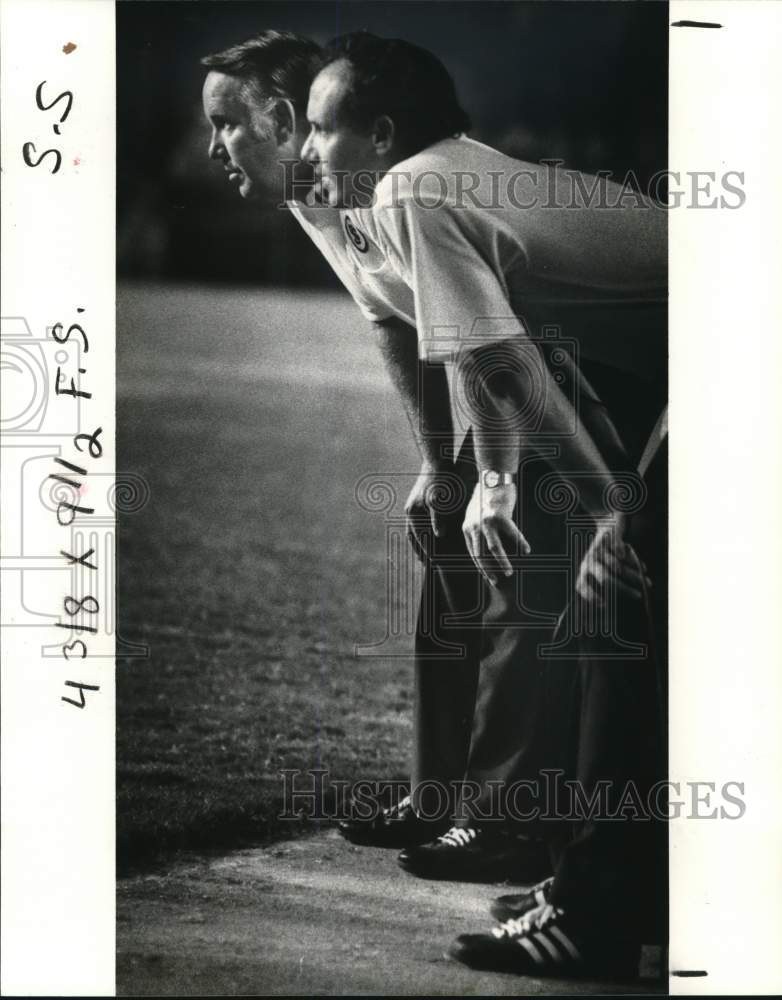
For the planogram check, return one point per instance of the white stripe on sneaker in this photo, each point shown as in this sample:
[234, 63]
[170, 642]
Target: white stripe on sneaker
[459, 836]
[550, 947]
[529, 947]
[395, 810]
[565, 940]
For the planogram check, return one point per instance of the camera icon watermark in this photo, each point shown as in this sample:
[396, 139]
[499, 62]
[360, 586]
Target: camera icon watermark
[50, 479]
[33, 366]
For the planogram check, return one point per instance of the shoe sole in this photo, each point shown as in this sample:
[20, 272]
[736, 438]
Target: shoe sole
[626, 974]
[478, 966]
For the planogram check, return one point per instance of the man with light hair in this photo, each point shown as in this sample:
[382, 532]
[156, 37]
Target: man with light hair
[255, 97]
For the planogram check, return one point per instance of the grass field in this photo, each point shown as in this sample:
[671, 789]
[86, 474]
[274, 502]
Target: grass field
[252, 571]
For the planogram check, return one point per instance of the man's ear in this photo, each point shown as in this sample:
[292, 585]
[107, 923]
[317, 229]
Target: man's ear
[284, 119]
[383, 132]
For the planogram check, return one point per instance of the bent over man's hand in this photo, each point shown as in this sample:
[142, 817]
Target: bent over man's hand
[490, 531]
[611, 563]
[432, 499]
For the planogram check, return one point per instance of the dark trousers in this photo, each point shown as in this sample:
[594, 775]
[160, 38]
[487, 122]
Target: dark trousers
[478, 682]
[447, 658]
[480, 677]
[607, 719]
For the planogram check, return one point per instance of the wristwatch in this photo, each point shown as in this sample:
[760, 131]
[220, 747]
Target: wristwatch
[490, 478]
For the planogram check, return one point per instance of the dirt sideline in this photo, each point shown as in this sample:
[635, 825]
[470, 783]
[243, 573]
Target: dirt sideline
[314, 916]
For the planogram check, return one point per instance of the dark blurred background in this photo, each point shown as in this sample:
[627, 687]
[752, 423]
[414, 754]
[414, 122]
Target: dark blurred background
[585, 82]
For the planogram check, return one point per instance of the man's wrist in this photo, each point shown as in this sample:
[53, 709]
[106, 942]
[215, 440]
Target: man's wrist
[491, 478]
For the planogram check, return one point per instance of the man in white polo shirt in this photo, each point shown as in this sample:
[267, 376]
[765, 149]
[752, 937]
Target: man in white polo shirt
[489, 258]
[255, 97]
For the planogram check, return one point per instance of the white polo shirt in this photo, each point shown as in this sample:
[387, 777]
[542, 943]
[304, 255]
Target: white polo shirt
[471, 246]
[325, 227]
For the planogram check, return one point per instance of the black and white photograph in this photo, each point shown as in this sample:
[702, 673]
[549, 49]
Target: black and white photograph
[366, 543]
[450, 217]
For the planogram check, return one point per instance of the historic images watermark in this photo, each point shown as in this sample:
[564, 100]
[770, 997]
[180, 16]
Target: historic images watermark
[313, 795]
[547, 185]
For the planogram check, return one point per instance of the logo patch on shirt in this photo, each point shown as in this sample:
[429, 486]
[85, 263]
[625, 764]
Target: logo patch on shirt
[356, 237]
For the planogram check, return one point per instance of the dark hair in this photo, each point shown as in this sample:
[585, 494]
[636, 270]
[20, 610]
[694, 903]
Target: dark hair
[273, 64]
[396, 78]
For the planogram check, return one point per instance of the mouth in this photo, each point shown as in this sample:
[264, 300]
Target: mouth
[233, 173]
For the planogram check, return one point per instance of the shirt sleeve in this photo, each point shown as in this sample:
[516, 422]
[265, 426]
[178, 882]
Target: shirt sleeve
[461, 298]
[327, 241]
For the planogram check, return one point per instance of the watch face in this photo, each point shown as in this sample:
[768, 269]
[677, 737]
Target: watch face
[491, 478]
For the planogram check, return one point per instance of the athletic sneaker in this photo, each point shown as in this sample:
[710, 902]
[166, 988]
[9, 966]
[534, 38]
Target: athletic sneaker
[545, 943]
[478, 854]
[397, 826]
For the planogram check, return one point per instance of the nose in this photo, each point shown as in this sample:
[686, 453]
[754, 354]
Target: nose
[216, 150]
[308, 153]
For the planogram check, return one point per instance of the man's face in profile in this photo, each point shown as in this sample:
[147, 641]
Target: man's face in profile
[248, 152]
[345, 160]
